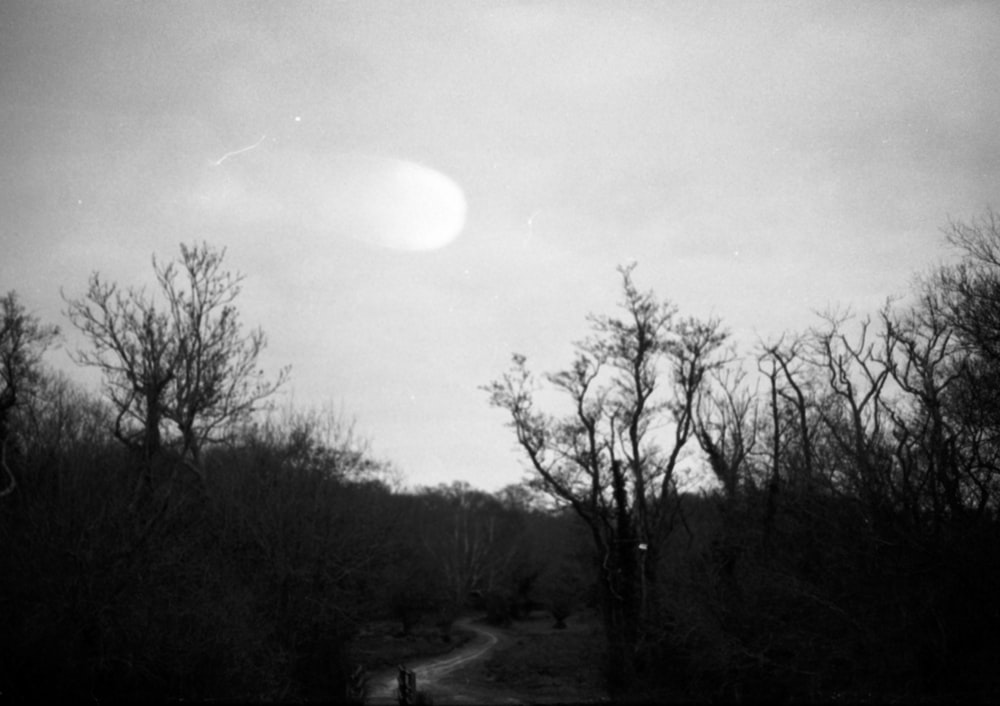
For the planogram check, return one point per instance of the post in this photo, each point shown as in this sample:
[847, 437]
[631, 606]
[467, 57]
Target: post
[407, 686]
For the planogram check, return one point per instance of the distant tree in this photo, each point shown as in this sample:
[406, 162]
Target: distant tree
[521, 497]
[64, 421]
[408, 588]
[23, 340]
[184, 360]
[324, 441]
[566, 580]
[473, 542]
[607, 459]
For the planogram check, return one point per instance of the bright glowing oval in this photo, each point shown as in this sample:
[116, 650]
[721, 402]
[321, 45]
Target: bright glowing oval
[394, 204]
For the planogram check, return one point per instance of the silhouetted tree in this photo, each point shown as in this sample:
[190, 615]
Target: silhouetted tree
[971, 287]
[185, 360]
[23, 340]
[969, 301]
[727, 424]
[636, 376]
[854, 408]
[216, 382]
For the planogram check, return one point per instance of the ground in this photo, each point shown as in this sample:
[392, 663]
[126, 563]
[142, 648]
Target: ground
[528, 662]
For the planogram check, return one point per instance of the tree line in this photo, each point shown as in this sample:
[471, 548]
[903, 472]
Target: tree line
[850, 547]
[175, 536]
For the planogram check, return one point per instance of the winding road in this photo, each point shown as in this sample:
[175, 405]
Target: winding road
[431, 672]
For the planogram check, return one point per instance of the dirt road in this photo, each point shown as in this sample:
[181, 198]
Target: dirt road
[441, 677]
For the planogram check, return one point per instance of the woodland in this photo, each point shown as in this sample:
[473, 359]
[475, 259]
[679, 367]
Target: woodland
[173, 536]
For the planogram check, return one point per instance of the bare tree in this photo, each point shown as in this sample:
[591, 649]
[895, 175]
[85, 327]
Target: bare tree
[23, 340]
[788, 374]
[133, 349]
[855, 413]
[971, 288]
[969, 301]
[215, 380]
[728, 424]
[472, 540]
[791, 394]
[184, 361]
[925, 361]
[607, 459]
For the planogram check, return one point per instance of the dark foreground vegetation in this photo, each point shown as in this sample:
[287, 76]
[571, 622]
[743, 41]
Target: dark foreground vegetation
[167, 540]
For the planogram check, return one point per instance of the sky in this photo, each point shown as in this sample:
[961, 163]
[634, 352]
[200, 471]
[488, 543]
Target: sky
[417, 190]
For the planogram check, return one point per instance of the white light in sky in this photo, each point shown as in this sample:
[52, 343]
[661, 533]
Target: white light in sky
[394, 203]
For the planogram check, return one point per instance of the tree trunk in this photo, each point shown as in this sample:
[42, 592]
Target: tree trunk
[621, 609]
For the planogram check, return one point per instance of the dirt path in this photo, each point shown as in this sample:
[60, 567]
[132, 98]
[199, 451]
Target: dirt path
[441, 677]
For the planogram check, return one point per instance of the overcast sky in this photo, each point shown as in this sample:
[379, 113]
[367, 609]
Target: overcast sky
[415, 190]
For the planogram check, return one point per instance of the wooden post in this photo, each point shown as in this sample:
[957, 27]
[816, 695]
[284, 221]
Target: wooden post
[407, 686]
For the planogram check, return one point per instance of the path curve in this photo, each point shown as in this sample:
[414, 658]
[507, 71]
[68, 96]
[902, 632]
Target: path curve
[429, 671]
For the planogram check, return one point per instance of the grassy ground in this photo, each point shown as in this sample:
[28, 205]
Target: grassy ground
[532, 663]
[545, 665]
